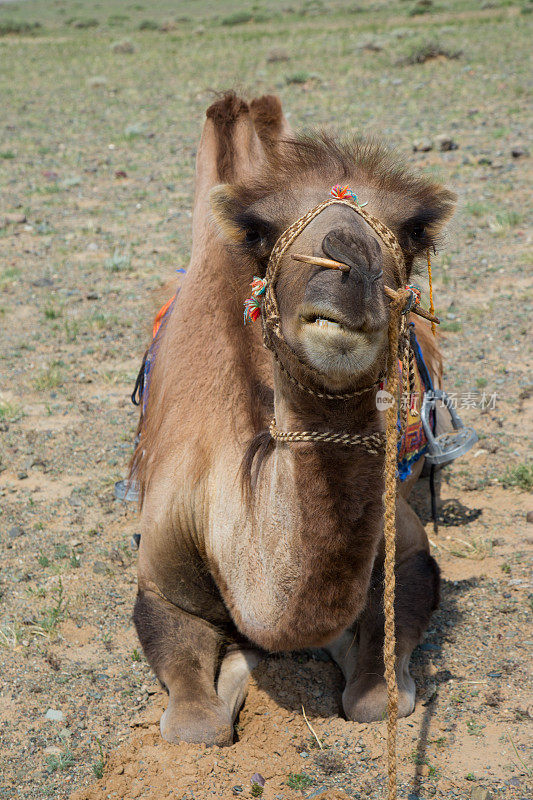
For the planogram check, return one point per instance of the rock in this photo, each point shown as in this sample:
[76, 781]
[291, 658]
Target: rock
[123, 46]
[422, 146]
[422, 770]
[518, 151]
[14, 219]
[53, 715]
[15, 532]
[479, 793]
[100, 568]
[52, 751]
[529, 516]
[444, 143]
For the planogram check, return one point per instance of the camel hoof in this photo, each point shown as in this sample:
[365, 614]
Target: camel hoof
[197, 724]
[368, 703]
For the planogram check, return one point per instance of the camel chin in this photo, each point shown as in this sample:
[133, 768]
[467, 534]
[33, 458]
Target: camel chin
[338, 351]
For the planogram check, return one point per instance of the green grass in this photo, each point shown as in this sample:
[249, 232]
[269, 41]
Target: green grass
[519, 476]
[118, 262]
[11, 27]
[9, 411]
[62, 762]
[52, 313]
[49, 378]
[99, 765]
[47, 624]
[299, 780]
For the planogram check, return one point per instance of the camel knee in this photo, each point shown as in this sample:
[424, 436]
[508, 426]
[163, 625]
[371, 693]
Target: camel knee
[183, 650]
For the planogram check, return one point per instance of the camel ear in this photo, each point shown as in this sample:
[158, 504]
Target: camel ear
[225, 208]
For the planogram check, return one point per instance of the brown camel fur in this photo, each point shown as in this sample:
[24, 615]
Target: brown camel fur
[295, 560]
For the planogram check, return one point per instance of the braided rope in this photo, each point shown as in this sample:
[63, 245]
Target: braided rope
[372, 442]
[389, 645]
[431, 306]
[324, 395]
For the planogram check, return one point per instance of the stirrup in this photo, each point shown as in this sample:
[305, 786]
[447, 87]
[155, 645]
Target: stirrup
[127, 491]
[447, 446]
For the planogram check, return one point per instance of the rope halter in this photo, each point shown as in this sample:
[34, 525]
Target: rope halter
[302, 375]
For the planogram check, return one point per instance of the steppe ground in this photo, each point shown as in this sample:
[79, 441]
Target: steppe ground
[101, 108]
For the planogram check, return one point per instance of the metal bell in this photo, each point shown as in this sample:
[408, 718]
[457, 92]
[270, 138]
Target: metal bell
[447, 446]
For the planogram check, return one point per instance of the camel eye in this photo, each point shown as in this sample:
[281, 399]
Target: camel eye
[417, 231]
[252, 237]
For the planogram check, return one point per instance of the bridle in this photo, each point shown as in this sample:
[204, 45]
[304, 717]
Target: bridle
[300, 374]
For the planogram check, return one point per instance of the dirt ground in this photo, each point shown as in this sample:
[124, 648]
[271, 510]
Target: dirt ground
[101, 111]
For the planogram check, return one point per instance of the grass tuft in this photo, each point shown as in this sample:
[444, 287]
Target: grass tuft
[237, 18]
[60, 763]
[520, 476]
[421, 52]
[10, 27]
[299, 780]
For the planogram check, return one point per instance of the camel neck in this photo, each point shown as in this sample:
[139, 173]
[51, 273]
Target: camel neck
[295, 410]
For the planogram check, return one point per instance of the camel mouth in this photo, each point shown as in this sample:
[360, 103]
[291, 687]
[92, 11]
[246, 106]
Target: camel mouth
[328, 320]
[334, 346]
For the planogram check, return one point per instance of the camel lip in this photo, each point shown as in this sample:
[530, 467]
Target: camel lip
[316, 314]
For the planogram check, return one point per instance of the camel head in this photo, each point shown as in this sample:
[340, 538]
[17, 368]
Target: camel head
[334, 321]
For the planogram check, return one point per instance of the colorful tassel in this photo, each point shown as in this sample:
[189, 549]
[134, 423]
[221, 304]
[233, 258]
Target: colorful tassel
[416, 292]
[252, 305]
[259, 286]
[345, 193]
[252, 309]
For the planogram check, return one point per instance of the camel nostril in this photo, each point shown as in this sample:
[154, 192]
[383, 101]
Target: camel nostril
[359, 252]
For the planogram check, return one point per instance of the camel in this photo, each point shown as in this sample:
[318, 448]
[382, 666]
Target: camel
[251, 545]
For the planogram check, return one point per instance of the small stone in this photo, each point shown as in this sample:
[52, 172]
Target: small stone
[53, 715]
[123, 46]
[529, 517]
[99, 568]
[15, 532]
[422, 145]
[518, 151]
[52, 751]
[444, 143]
[92, 296]
[22, 476]
[479, 793]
